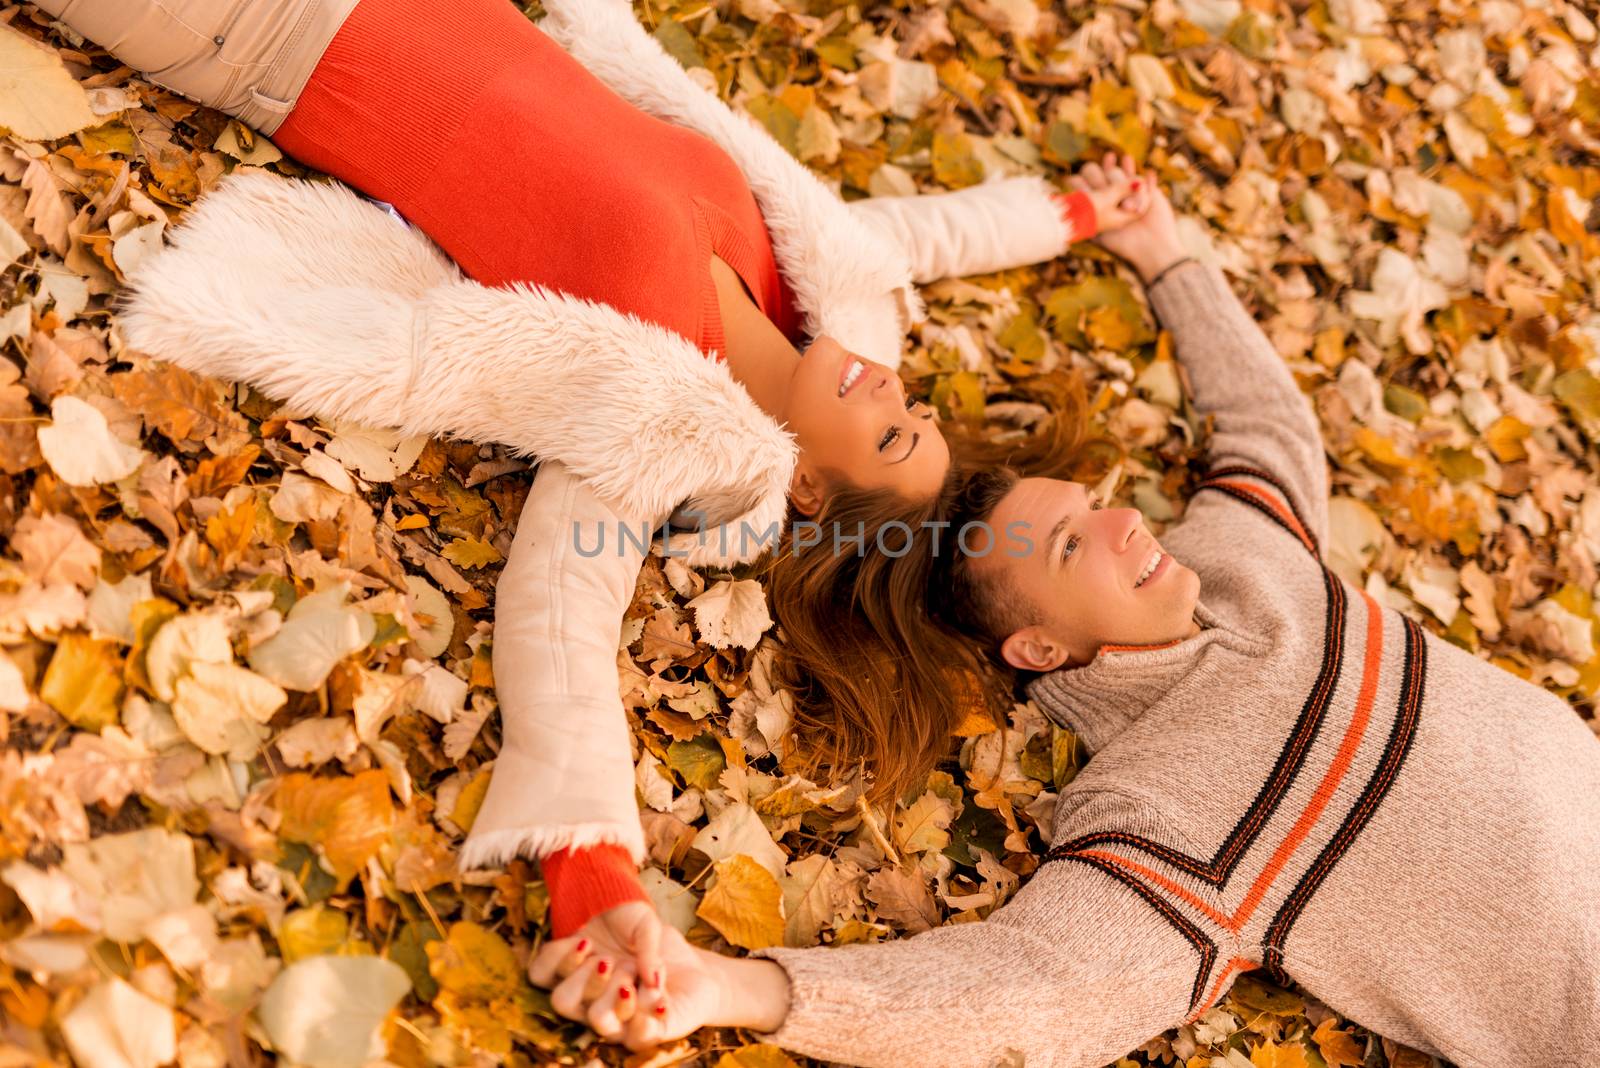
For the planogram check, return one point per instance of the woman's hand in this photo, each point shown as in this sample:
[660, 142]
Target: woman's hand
[595, 978]
[1141, 227]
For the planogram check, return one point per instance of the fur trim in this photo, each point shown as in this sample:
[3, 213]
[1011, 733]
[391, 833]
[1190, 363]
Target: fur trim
[496, 848]
[851, 282]
[322, 300]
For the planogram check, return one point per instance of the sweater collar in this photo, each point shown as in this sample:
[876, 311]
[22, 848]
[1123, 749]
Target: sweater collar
[1099, 700]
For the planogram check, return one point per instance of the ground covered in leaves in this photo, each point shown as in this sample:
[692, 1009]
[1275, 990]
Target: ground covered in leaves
[246, 709]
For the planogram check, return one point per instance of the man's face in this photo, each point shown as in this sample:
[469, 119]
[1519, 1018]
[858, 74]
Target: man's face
[1086, 580]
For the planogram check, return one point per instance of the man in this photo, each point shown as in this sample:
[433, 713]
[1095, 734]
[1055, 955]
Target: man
[1285, 776]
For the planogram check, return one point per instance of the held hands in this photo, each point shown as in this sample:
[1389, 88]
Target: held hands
[1139, 224]
[632, 978]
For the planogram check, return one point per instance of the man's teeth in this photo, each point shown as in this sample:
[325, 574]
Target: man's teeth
[857, 368]
[1155, 558]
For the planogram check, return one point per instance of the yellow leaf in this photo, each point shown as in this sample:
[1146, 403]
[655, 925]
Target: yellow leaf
[1505, 437]
[349, 817]
[745, 904]
[954, 164]
[761, 1056]
[229, 532]
[416, 521]
[471, 553]
[311, 932]
[470, 800]
[473, 962]
[83, 681]
[1271, 1055]
[1339, 1048]
[39, 100]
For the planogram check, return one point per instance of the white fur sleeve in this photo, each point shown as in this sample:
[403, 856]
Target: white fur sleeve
[1005, 223]
[564, 776]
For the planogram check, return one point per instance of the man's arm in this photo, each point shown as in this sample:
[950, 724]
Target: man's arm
[1264, 429]
[1076, 970]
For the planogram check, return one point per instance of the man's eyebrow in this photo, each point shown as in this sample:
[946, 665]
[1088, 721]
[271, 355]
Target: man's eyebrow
[1055, 536]
[914, 438]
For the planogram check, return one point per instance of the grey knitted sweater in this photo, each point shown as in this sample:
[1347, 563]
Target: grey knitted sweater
[1312, 785]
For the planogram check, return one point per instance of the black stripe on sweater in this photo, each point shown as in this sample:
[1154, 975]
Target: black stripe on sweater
[1291, 758]
[1197, 938]
[1265, 509]
[1271, 480]
[1401, 736]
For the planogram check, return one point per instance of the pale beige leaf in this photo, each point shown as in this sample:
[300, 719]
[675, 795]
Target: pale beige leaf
[223, 708]
[737, 830]
[53, 549]
[79, 446]
[328, 1012]
[732, 613]
[39, 100]
[116, 1026]
[181, 642]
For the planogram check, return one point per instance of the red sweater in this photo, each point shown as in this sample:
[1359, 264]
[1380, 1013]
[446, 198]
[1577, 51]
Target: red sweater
[525, 168]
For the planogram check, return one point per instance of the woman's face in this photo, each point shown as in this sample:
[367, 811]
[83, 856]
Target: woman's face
[854, 423]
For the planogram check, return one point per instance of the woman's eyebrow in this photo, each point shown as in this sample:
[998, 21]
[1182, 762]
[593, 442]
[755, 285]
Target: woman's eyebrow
[915, 436]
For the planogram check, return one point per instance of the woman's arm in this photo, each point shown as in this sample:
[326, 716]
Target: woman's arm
[564, 776]
[988, 227]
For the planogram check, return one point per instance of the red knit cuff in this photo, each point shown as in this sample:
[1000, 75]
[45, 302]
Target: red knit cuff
[1077, 211]
[586, 882]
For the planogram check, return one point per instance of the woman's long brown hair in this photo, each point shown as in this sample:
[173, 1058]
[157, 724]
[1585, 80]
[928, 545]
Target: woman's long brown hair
[879, 685]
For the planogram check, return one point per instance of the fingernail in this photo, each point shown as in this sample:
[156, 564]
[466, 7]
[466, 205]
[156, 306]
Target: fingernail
[624, 994]
[1136, 185]
[583, 945]
[603, 967]
[661, 1008]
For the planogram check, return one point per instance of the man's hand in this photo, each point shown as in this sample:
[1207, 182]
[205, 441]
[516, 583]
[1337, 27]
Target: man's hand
[1142, 229]
[632, 978]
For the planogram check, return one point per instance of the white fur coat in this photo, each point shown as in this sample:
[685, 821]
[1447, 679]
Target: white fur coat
[321, 299]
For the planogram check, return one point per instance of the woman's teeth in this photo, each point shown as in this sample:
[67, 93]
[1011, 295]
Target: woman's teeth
[857, 369]
[1150, 566]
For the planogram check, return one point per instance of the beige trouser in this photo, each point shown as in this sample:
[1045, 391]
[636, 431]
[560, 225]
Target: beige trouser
[249, 58]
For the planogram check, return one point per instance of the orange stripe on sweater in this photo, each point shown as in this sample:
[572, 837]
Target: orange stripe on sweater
[1162, 881]
[1278, 507]
[1233, 967]
[1336, 771]
[1136, 648]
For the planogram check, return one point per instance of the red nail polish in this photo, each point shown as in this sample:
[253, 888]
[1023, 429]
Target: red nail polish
[661, 1009]
[582, 946]
[603, 967]
[1136, 186]
[624, 994]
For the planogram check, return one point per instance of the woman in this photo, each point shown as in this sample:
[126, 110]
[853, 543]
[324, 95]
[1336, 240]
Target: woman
[638, 224]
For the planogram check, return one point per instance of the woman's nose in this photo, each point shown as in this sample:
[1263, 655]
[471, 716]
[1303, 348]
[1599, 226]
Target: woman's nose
[1132, 521]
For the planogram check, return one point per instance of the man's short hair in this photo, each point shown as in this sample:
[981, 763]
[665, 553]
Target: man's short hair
[981, 602]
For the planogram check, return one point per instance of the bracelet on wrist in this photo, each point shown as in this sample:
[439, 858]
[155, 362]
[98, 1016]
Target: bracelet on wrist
[1168, 269]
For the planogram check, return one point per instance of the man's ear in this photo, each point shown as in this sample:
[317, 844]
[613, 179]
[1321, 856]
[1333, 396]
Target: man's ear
[1032, 649]
[805, 491]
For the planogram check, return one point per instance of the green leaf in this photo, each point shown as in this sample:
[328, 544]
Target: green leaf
[699, 761]
[1408, 404]
[679, 43]
[1064, 143]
